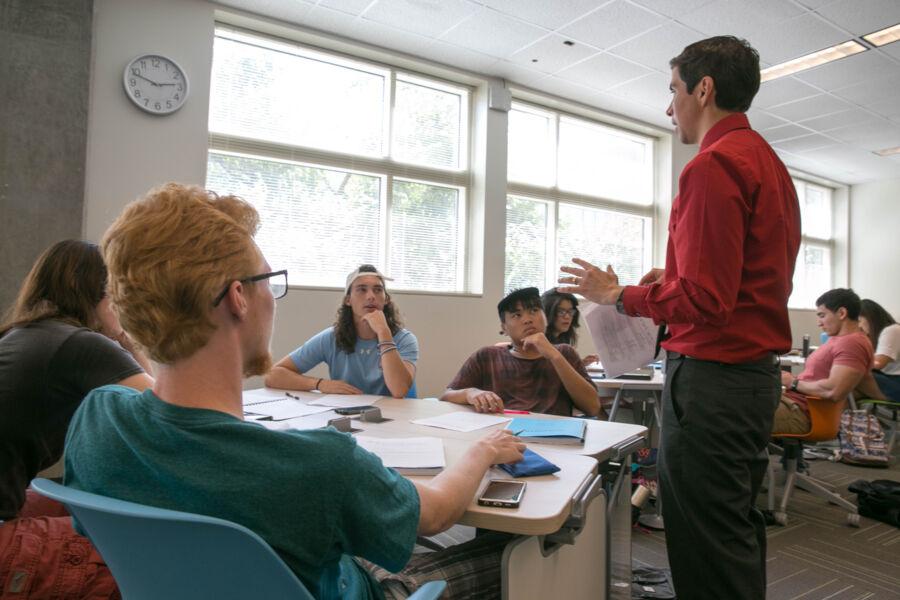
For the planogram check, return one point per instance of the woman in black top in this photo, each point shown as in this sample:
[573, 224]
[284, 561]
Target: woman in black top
[59, 340]
[562, 320]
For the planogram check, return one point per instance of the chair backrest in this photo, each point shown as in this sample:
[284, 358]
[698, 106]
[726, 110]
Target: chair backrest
[157, 553]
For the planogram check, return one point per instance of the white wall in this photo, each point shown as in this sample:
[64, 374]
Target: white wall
[875, 258]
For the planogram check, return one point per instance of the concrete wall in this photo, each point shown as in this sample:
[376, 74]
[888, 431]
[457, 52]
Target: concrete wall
[45, 60]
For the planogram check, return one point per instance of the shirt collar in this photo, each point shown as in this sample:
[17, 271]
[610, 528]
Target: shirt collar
[729, 123]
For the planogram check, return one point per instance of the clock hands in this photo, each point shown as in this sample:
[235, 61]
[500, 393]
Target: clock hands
[146, 79]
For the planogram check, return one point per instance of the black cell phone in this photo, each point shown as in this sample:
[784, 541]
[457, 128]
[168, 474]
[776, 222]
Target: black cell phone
[504, 493]
[352, 410]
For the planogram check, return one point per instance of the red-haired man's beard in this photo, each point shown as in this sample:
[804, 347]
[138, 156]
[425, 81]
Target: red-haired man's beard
[258, 365]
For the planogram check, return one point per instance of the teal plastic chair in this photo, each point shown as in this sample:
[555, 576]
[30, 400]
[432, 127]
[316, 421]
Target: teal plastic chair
[157, 553]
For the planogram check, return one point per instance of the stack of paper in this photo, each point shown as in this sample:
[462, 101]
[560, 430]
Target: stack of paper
[345, 401]
[461, 421]
[408, 456]
[549, 431]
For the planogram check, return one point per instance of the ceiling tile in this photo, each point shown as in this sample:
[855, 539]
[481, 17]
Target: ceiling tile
[551, 14]
[761, 120]
[779, 91]
[652, 90]
[862, 93]
[850, 70]
[632, 109]
[862, 17]
[603, 71]
[425, 17]
[292, 12]
[749, 20]
[455, 56]
[491, 32]
[892, 50]
[805, 143]
[784, 132]
[552, 54]
[517, 73]
[673, 8]
[332, 21]
[889, 107]
[845, 118]
[814, 3]
[795, 37]
[353, 7]
[871, 136]
[612, 24]
[809, 108]
[387, 37]
[655, 48]
[570, 90]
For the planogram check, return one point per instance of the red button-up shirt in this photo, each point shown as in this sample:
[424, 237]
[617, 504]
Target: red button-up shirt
[734, 234]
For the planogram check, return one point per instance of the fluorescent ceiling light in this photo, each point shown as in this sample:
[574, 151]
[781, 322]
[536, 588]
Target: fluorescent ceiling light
[885, 36]
[888, 151]
[815, 59]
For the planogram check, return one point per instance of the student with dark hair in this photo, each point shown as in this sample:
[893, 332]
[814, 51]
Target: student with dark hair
[561, 310]
[734, 234]
[530, 373]
[832, 371]
[884, 333]
[367, 350]
[60, 340]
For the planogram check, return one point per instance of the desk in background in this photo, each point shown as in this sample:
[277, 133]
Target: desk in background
[576, 529]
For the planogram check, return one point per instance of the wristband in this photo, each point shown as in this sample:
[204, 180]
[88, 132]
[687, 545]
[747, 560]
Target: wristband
[794, 383]
[620, 302]
[317, 384]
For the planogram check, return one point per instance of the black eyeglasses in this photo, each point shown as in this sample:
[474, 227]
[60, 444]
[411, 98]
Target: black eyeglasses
[278, 283]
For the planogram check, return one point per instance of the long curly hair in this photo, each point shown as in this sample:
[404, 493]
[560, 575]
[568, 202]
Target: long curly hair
[877, 317]
[345, 328]
[551, 300]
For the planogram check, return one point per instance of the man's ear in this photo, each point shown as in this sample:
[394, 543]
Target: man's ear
[841, 313]
[237, 302]
[706, 91]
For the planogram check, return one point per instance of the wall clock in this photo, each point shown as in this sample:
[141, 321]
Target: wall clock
[156, 84]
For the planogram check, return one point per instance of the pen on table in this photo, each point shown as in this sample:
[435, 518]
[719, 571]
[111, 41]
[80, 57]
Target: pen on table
[515, 412]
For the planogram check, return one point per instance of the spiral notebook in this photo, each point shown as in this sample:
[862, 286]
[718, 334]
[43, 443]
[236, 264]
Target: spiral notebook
[277, 405]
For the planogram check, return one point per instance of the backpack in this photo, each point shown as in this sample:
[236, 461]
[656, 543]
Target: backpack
[879, 499]
[862, 439]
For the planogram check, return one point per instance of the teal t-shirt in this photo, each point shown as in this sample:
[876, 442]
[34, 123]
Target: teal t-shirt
[315, 496]
[362, 368]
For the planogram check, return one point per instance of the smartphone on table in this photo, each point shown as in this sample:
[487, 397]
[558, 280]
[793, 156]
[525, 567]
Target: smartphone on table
[505, 493]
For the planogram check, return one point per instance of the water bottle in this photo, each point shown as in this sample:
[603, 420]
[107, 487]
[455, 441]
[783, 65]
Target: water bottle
[805, 346]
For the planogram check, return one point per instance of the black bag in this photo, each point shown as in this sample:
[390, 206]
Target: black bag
[879, 499]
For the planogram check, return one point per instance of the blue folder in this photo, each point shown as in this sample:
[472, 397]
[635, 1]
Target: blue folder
[531, 466]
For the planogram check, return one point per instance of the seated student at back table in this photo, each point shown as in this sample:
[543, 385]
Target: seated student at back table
[193, 288]
[884, 333]
[561, 311]
[530, 373]
[834, 370]
[60, 340]
[367, 350]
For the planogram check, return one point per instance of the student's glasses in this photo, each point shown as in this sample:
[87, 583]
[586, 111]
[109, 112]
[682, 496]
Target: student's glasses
[277, 280]
[567, 312]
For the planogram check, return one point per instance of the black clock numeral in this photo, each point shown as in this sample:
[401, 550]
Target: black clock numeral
[132, 82]
[135, 71]
[157, 105]
[143, 64]
[137, 93]
[177, 75]
[177, 97]
[155, 62]
[179, 87]
[146, 101]
[168, 104]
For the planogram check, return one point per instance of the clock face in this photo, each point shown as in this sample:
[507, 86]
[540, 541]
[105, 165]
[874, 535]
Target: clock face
[156, 84]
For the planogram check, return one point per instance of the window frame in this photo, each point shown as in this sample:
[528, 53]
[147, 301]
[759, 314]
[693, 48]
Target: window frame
[829, 243]
[554, 195]
[384, 166]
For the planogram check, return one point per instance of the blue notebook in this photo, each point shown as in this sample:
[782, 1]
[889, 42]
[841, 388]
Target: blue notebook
[531, 466]
[549, 431]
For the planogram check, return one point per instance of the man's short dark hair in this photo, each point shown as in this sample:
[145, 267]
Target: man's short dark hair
[841, 298]
[732, 63]
[529, 297]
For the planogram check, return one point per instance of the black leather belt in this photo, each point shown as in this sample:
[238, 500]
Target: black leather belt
[770, 359]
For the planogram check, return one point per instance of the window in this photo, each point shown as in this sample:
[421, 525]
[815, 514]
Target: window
[577, 188]
[347, 162]
[813, 273]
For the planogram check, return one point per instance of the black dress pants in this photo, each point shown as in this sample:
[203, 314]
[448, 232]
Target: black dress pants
[717, 420]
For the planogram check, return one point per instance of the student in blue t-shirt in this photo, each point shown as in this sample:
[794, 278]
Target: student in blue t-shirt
[367, 350]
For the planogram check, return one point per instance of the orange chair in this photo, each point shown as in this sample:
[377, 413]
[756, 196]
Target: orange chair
[825, 422]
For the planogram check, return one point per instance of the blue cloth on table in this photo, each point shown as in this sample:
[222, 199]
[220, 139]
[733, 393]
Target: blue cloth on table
[531, 466]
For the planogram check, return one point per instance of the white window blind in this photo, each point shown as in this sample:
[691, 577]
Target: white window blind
[813, 271]
[577, 188]
[347, 162]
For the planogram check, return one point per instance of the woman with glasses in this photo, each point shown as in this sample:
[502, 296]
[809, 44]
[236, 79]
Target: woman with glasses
[884, 333]
[562, 320]
[59, 340]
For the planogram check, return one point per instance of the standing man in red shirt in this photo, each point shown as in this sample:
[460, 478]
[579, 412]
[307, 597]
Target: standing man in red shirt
[734, 234]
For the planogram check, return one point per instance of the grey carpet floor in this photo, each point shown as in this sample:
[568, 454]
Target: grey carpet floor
[817, 556]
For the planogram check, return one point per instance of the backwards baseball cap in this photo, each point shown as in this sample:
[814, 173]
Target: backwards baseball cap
[362, 271]
[529, 297]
